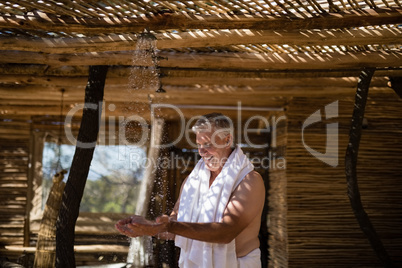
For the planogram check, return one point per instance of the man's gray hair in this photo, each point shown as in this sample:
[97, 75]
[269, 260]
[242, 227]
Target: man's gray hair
[214, 122]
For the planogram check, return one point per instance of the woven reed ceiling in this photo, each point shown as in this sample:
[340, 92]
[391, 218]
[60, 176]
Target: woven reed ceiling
[229, 46]
[209, 19]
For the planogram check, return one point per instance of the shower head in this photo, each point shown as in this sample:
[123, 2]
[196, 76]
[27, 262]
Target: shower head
[147, 36]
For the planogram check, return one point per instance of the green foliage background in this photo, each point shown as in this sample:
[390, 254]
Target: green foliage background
[112, 185]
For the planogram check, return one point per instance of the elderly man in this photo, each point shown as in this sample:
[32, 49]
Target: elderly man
[217, 218]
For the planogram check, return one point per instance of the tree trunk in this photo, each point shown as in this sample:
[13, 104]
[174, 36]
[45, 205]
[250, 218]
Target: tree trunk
[351, 163]
[85, 147]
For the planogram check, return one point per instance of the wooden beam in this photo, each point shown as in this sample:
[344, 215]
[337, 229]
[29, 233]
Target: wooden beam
[28, 104]
[218, 60]
[72, 94]
[179, 21]
[120, 93]
[65, 71]
[23, 110]
[57, 80]
[124, 71]
[55, 83]
[212, 38]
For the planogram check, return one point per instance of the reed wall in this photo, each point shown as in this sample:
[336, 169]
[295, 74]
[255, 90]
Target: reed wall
[13, 191]
[322, 229]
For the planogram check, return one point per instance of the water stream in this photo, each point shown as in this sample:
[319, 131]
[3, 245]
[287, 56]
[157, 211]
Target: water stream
[144, 79]
[144, 72]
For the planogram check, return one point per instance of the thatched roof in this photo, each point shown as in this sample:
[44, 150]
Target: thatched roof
[245, 49]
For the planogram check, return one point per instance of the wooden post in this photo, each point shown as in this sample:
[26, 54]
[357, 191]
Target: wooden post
[74, 189]
[139, 254]
[149, 176]
[351, 164]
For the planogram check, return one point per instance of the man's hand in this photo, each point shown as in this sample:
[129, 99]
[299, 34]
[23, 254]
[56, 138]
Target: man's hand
[135, 226]
[163, 219]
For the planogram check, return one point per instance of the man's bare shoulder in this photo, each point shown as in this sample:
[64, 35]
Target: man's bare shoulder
[254, 177]
[252, 184]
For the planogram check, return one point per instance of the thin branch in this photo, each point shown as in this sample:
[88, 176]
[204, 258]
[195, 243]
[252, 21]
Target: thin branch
[351, 168]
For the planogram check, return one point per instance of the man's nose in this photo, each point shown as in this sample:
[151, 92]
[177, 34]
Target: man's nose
[201, 151]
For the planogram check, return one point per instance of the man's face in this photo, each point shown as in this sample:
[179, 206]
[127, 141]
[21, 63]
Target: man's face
[213, 149]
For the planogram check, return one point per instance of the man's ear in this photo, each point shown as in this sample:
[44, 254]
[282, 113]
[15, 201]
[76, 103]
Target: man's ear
[229, 139]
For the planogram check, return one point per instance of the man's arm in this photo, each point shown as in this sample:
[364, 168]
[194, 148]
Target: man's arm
[244, 205]
[125, 226]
